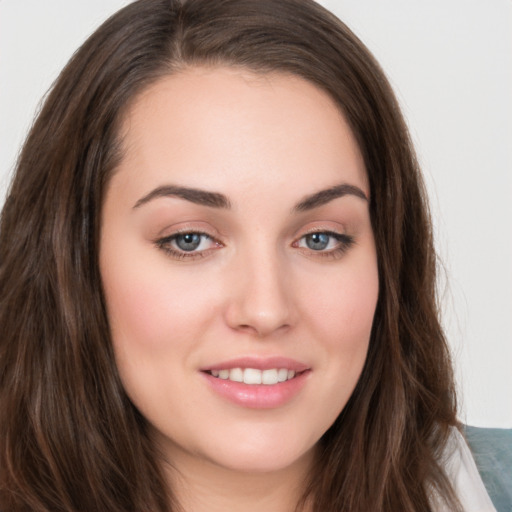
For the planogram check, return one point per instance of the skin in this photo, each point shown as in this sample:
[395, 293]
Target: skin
[253, 288]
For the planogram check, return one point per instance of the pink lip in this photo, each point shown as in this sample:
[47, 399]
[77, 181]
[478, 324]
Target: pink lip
[258, 396]
[259, 364]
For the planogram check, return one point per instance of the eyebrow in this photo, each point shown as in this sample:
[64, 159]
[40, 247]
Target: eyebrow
[194, 195]
[217, 200]
[325, 196]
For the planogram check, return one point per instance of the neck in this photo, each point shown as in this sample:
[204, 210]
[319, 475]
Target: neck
[201, 485]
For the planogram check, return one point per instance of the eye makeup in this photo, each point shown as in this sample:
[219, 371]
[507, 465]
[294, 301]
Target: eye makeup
[324, 244]
[189, 244]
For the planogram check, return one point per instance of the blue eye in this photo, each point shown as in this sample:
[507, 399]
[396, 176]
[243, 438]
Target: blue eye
[327, 244]
[188, 241]
[317, 241]
[324, 241]
[188, 244]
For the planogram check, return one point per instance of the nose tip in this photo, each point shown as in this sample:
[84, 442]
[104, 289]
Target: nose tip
[261, 325]
[261, 302]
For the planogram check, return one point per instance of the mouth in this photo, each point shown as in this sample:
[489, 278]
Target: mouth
[255, 376]
[258, 382]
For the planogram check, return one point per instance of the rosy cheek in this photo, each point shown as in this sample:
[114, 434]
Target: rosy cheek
[344, 312]
[134, 304]
[360, 304]
[154, 306]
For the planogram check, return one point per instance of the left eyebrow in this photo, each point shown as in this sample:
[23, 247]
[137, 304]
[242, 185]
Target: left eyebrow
[324, 196]
[194, 195]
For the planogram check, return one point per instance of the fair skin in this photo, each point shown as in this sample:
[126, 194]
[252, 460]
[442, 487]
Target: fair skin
[266, 275]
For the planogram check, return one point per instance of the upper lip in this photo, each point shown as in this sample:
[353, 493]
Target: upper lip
[259, 363]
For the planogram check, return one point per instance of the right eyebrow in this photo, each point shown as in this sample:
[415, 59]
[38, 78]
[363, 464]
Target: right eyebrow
[325, 196]
[194, 195]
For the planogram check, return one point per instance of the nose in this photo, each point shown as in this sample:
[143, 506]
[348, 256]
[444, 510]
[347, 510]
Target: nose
[261, 299]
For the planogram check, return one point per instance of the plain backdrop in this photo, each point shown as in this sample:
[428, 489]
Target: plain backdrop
[450, 62]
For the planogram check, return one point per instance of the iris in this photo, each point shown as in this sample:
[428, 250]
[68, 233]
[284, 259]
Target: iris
[188, 241]
[317, 241]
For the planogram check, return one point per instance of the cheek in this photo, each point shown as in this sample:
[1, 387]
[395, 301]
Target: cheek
[157, 318]
[344, 310]
[339, 317]
[348, 337]
[342, 317]
[149, 308]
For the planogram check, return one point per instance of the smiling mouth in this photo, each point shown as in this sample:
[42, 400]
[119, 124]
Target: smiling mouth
[254, 376]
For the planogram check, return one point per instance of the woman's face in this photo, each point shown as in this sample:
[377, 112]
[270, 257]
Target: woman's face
[239, 265]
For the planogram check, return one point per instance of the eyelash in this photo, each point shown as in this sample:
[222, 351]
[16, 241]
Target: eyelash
[345, 242]
[165, 245]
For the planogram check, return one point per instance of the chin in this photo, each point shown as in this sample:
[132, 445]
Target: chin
[258, 456]
[258, 464]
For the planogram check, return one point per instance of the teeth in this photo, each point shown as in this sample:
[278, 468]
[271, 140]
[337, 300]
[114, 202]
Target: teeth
[269, 377]
[254, 376]
[282, 375]
[236, 374]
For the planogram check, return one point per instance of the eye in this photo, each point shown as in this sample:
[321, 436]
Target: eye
[318, 241]
[190, 241]
[325, 243]
[188, 244]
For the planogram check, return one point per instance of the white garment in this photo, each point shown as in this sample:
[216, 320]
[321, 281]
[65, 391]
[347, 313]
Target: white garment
[463, 473]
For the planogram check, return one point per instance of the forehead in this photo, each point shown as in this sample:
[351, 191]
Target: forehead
[223, 127]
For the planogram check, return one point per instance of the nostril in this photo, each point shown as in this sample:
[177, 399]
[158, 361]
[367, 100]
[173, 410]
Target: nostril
[260, 330]
[247, 328]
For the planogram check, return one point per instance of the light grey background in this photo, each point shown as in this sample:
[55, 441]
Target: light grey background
[450, 64]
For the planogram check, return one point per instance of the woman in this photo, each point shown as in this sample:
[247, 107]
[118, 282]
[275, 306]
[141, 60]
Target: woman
[218, 279]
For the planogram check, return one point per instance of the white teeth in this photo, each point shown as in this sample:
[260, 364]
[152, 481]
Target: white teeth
[252, 376]
[282, 374]
[269, 377]
[236, 375]
[255, 376]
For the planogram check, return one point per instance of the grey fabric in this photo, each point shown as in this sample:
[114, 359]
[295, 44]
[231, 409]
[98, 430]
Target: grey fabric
[492, 451]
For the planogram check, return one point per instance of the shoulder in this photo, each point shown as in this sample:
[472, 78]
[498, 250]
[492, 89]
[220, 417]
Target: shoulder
[465, 478]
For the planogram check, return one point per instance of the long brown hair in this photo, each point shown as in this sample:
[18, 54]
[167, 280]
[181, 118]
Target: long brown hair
[70, 440]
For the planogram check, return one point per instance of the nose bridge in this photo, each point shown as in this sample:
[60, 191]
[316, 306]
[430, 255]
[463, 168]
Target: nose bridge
[261, 300]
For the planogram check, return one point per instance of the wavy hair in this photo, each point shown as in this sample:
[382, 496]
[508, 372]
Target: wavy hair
[70, 439]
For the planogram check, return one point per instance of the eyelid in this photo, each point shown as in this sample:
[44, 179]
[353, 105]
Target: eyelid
[345, 242]
[164, 243]
[337, 231]
[187, 226]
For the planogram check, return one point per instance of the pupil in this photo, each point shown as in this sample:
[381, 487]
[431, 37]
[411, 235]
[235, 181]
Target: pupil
[188, 241]
[317, 241]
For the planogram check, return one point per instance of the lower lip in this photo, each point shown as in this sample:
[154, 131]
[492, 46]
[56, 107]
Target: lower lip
[258, 396]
